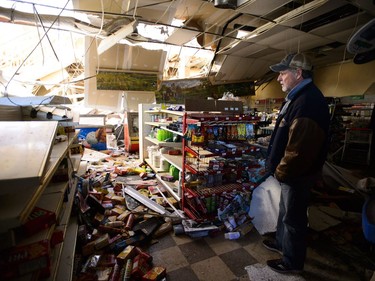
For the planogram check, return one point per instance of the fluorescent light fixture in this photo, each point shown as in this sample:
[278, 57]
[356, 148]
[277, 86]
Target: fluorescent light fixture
[54, 110]
[113, 39]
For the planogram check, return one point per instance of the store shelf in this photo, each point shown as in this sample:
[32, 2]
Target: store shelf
[178, 113]
[16, 207]
[164, 143]
[173, 112]
[201, 153]
[170, 186]
[357, 146]
[350, 143]
[175, 160]
[66, 262]
[63, 253]
[55, 193]
[147, 124]
[219, 117]
[198, 152]
[158, 124]
[153, 167]
[220, 165]
[25, 165]
[174, 132]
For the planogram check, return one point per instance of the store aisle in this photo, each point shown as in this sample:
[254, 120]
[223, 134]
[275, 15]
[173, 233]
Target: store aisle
[336, 253]
[331, 256]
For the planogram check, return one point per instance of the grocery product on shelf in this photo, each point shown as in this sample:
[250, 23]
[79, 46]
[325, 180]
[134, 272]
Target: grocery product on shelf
[220, 166]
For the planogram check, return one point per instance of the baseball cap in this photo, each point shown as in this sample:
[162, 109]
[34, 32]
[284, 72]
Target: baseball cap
[295, 60]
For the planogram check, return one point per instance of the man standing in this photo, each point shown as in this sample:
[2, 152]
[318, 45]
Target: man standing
[296, 154]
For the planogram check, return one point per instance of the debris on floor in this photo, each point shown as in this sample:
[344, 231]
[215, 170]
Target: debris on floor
[115, 217]
[122, 210]
[261, 272]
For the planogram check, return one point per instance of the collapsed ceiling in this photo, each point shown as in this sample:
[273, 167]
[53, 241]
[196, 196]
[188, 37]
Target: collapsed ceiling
[227, 41]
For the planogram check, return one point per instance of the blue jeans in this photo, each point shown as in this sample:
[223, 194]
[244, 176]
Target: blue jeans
[292, 222]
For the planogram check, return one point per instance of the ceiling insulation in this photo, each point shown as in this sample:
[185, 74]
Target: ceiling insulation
[244, 37]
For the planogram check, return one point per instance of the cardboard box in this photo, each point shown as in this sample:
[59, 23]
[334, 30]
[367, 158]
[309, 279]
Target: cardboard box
[229, 106]
[245, 228]
[140, 267]
[156, 273]
[200, 105]
[224, 106]
[128, 253]
[89, 248]
[102, 241]
[38, 220]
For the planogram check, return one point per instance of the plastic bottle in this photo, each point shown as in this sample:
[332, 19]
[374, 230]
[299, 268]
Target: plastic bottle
[232, 235]
[156, 159]
[228, 226]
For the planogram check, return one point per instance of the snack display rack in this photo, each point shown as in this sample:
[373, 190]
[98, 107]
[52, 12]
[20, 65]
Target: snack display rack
[219, 161]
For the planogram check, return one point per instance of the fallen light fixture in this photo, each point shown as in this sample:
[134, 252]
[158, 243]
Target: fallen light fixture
[145, 201]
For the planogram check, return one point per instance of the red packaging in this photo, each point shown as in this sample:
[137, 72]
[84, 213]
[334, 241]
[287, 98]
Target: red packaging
[174, 152]
[57, 237]
[130, 222]
[38, 220]
[24, 259]
[140, 267]
[146, 255]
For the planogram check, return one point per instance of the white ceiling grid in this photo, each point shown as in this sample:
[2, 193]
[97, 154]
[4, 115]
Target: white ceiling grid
[319, 27]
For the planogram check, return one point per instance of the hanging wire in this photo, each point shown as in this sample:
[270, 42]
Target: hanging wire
[44, 29]
[42, 50]
[135, 9]
[166, 10]
[95, 39]
[344, 54]
[32, 51]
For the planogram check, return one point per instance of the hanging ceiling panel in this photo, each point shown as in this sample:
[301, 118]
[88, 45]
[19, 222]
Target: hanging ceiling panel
[261, 8]
[323, 14]
[300, 41]
[280, 26]
[182, 36]
[349, 23]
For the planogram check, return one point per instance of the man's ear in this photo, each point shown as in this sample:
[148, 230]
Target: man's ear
[299, 73]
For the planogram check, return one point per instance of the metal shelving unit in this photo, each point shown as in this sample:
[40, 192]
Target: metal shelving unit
[357, 146]
[200, 195]
[146, 123]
